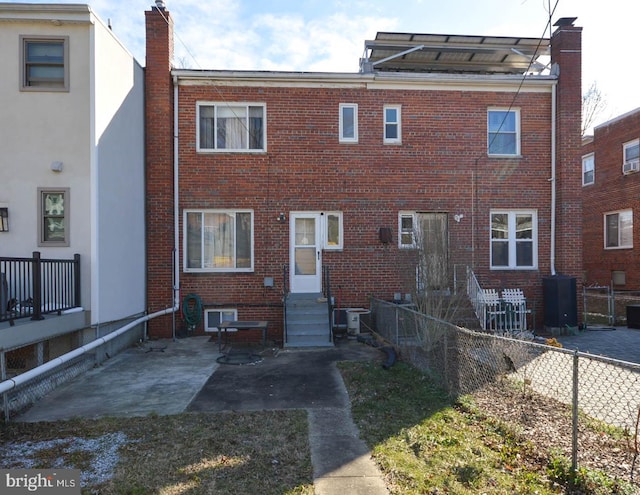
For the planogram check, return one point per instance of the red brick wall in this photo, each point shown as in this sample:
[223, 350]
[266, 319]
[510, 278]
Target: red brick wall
[566, 51]
[611, 191]
[441, 166]
[159, 166]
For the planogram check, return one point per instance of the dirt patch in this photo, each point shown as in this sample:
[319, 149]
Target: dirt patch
[547, 424]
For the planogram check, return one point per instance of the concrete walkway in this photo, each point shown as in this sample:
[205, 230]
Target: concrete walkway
[614, 342]
[169, 377]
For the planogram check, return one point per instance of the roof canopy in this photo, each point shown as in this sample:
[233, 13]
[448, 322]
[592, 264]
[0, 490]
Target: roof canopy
[408, 52]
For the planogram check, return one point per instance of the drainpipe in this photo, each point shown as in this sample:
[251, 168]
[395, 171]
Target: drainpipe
[176, 207]
[552, 254]
[23, 378]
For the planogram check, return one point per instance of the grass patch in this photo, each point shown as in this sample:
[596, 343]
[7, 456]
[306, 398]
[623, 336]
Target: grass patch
[226, 453]
[426, 444]
[585, 480]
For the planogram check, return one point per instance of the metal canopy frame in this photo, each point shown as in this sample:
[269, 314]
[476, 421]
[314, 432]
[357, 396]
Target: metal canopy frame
[412, 52]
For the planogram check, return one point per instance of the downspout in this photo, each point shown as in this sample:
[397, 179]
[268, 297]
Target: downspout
[176, 208]
[552, 253]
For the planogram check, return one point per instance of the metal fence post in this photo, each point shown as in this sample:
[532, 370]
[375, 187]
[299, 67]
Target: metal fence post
[36, 284]
[397, 314]
[76, 280]
[3, 377]
[574, 421]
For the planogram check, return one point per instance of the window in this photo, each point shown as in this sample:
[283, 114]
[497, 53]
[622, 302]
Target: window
[53, 206]
[218, 241]
[503, 132]
[392, 128]
[333, 230]
[631, 153]
[44, 65]
[348, 123]
[4, 218]
[588, 172]
[618, 230]
[231, 127]
[213, 318]
[514, 240]
[407, 238]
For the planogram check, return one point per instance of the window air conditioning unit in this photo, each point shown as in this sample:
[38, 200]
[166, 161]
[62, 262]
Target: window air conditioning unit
[631, 166]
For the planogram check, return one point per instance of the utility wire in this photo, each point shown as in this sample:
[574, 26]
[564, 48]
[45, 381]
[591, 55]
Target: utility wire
[524, 76]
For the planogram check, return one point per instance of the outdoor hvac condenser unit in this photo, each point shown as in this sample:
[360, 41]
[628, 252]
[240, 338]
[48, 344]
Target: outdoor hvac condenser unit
[353, 319]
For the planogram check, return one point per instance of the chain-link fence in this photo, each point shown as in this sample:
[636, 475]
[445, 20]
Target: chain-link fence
[605, 306]
[583, 406]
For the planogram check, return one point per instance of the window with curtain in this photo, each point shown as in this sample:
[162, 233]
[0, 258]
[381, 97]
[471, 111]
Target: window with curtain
[231, 127]
[218, 240]
[333, 230]
[618, 230]
[407, 237]
[503, 134]
[53, 222]
[514, 240]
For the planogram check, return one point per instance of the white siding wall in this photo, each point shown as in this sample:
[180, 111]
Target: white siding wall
[119, 284]
[97, 131]
[37, 129]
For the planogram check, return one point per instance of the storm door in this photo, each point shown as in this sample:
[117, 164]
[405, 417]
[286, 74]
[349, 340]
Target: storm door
[306, 252]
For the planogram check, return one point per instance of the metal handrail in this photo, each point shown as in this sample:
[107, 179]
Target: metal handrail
[327, 284]
[32, 287]
[476, 296]
[285, 294]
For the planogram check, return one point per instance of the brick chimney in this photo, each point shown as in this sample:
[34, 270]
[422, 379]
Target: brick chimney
[159, 166]
[566, 56]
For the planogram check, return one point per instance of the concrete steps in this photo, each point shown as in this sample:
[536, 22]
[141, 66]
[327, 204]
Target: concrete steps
[307, 321]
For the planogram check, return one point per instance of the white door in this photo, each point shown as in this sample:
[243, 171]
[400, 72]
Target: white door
[306, 253]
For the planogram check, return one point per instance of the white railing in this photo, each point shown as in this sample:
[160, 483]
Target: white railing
[504, 313]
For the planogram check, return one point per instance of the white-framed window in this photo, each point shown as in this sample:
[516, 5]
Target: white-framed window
[218, 240]
[503, 132]
[588, 169]
[618, 229]
[514, 239]
[213, 318]
[53, 221]
[4, 217]
[44, 63]
[407, 225]
[333, 230]
[238, 127]
[392, 124]
[631, 154]
[348, 123]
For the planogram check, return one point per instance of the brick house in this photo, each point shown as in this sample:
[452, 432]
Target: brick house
[261, 183]
[610, 195]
